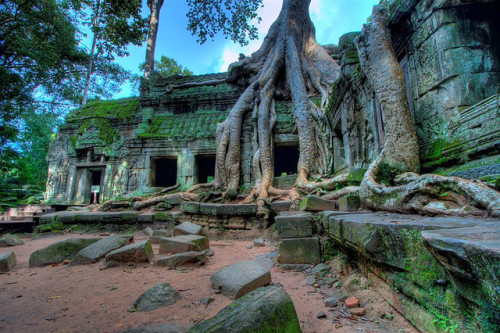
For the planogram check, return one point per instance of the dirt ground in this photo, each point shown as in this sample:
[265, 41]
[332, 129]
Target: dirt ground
[93, 299]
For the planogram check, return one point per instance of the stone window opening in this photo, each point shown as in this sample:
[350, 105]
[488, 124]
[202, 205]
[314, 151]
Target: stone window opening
[96, 180]
[205, 168]
[286, 159]
[163, 171]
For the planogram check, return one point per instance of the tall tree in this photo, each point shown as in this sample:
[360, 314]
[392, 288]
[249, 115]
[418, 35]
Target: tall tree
[114, 25]
[205, 19]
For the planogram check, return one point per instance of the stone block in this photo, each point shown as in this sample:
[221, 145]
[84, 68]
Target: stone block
[299, 251]
[190, 207]
[316, 204]
[236, 222]
[349, 203]
[188, 228]
[161, 295]
[135, 252]
[174, 260]
[145, 218]
[184, 243]
[10, 240]
[59, 251]
[293, 226]
[228, 209]
[241, 278]
[7, 261]
[280, 206]
[265, 309]
[94, 252]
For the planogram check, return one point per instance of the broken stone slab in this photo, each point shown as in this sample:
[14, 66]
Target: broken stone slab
[299, 251]
[68, 217]
[145, 218]
[183, 243]
[292, 226]
[239, 279]
[161, 295]
[7, 261]
[349, 203]
[264, 261]
[10, 240]
[135, 252]
[262, 310]
[187, 228]
[96, 251]
[161, 328]
[280, 206]
[259, 242]
[59, 251]
[316, 204]
[471, 256]
[190, 207]
[174, 260]
[228, 209]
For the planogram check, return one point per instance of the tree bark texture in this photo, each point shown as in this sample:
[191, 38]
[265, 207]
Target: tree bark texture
[90, 67]
[426, 194]
[290, 64]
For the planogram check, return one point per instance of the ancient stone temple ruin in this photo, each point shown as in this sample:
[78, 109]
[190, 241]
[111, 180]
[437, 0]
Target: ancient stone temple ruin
[450, 55]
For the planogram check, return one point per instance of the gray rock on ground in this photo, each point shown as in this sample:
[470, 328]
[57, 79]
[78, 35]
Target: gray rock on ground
[265, 309]
[10, 240]
[7, 261]
[162, 294]
[184, 243]
[241, 278]
[59, 251]
[187, 228]
[259, 242]
[136, 252]
[96, 251]
[178, 259]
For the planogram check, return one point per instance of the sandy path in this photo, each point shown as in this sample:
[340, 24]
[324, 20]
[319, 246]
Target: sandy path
[89, 299]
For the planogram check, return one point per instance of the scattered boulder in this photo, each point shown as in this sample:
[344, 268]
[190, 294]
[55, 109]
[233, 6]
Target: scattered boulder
[248, 246]
[320, 270]
[239, 279]
[187, 228]
[265, 309]
[358, 311]
[352, 302]
[136, 252]
[350, 203]
[264, 261]
[159, 296]
[148, 231]
[184, 243]
[7, 261]
[310, 280]
[331, 302]
[259, 242]
[59, 251]
[196, 257]
[321, 315]
[96, 251]
[10, 240]
[206, 300]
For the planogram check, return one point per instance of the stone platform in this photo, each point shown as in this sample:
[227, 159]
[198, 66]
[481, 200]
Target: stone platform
[433, 265]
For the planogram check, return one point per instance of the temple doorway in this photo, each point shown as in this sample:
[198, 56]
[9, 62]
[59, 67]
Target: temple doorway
[164, 171]
[205, 168]
[286, 159]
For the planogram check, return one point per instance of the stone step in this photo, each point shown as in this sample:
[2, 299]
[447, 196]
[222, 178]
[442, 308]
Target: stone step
[293, 225]
[299, 251]
[316, 204]
[218, 209]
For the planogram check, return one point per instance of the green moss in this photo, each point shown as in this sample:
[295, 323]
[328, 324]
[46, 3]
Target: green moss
[107, 134]
[355, 176]
[123, 109]
[387, 172]
[51, 227]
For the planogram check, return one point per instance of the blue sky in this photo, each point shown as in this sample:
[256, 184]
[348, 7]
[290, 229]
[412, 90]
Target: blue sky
[332, 18]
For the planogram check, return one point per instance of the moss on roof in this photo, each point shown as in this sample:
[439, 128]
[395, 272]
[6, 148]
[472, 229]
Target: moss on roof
[120, 109]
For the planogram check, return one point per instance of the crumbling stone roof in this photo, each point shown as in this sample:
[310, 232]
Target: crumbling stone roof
[119, 109]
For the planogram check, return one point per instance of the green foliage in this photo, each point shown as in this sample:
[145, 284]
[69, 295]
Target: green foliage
[165, 67]
[209, 17]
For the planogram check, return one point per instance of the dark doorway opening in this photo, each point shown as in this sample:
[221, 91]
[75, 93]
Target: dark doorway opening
[95, 186]
[165, 172]
[286, 159]
[205, 165]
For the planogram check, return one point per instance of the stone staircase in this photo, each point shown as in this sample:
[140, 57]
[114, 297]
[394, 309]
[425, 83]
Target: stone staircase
[23, 218]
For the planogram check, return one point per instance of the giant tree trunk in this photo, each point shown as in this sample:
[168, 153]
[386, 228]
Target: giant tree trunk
[290, 64]
[405, 191]
[155, 7]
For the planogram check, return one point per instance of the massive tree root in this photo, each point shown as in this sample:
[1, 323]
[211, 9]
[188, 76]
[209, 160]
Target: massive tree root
[290, 63]
[426, 194]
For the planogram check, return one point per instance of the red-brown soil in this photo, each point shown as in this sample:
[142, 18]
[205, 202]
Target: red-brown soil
[92, 299]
